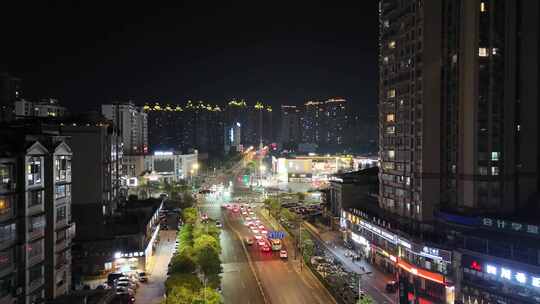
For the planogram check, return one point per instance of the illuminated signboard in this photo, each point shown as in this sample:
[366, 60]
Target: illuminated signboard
[510, 226]
[163, 153]
[504, 273]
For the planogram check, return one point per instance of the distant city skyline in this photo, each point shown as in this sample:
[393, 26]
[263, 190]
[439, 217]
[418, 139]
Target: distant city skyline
[194, 52]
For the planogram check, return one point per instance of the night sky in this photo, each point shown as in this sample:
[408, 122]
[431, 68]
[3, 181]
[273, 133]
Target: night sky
[278, 53]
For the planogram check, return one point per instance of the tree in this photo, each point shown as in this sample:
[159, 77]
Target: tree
[187, 199]
[272, 205]
[208, 259]
[189, 215]
[206, 241]
[301, 197]
[207, 296]
[183, 262]
[186, 280]
[206, 228]
[365, 299]
[288, 215]
[179, 295]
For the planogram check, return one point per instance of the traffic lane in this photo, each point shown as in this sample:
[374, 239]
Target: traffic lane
[281, 280]
[238, 282]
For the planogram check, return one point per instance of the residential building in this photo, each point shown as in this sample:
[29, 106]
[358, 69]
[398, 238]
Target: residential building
[458, 136]
[290, 131]
[165, 127]
[96, 170]
[311, 122]
[131, 122]
[48, 107]
[35, 199]
[232, 137]
[334, 122]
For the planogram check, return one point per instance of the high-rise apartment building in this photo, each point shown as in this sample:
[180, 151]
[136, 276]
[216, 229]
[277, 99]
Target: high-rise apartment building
[334, 121]
[290, 124]
[35, 213]
[132, 125]
[458, 106]
[311, 121]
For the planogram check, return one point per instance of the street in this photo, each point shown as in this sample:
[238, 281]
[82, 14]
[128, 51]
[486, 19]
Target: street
[281, 281]
[152, 292]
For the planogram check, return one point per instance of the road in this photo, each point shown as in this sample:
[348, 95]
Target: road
[153, 291]
[238, 281]
[281, 281]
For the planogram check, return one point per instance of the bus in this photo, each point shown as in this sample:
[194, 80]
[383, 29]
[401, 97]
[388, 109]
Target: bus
[276, 244]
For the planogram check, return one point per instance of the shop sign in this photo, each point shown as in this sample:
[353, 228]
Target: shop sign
[499, 224]
[119, 255]
[505, 273]
[432, 253]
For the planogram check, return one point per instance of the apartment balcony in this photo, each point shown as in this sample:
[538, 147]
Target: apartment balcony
[35, 259]
[35, 284]
[35, 234]
[9, 264]
[62, 244]
[35, 209]
[8, 187]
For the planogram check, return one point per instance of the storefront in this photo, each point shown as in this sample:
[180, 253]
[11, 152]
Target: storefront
[425, 269]
[493, 281]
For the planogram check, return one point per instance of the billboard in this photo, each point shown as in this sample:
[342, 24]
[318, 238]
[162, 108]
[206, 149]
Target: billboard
[164, 165]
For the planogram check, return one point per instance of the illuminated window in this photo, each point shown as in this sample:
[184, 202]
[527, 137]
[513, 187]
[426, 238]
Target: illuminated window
[390, 118]
[392, 44]
[494, 170]
[391, 93]
[391, 154]
[494, 51]
[390, 130]
[483, 7]
[4, 205]
[494, 156]
[483, 52]
[385, 59]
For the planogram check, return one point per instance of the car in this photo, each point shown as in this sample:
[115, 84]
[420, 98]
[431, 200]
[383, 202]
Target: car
[261, 242]
[255, 231]
[283, 254]
[235, 210]
[225, 206]
[124, 290]
[261, 227]
[126, 284]
[391, 286]
[247, 219]
[112, 277]
[265, 248]
[251, 213]
[258, 237]
[218, 224]
[143, 278]
[244, 213]
[247, 223]
[249, 240]
[264, 231]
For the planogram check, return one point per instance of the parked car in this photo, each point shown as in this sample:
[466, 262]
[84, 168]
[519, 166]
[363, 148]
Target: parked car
[283, 254]
[112, 277]
[124, 290]
[218, 224]
[126, 284]
[249, 240]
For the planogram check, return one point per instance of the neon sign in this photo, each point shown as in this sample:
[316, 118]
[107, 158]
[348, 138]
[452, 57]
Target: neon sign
[504, 273]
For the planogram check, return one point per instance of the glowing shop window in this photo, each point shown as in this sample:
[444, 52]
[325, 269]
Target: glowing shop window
[483, 7]
[392, 44]
[483, 52]
[390, 118]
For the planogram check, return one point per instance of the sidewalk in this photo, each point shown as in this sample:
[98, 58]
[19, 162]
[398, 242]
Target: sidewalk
[373, 284]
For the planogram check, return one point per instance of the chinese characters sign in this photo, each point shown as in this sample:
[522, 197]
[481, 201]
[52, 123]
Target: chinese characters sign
[510, 226]
[505, 273]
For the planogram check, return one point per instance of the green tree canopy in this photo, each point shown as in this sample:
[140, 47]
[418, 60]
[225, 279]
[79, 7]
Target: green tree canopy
[208, 259]
[189, 215]
[183, 263]
[186, 280]
[288, 215]
[207, 296]
[206, 241]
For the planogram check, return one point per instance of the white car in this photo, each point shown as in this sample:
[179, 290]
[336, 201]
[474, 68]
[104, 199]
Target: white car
[255, 231]
[124, 291]
[126, 284]
[283, 254]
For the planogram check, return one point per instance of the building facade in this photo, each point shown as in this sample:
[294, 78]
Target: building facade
[10, 91]
[48, 107]
[132, 124]
[290, 130]
[36, 222]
